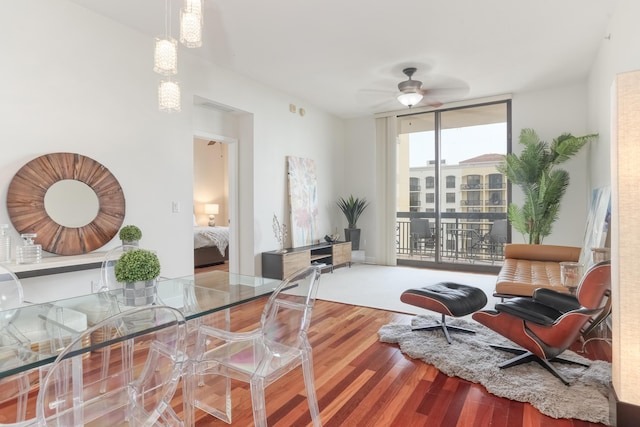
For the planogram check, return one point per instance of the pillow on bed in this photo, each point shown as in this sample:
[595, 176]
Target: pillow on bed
[195, 223]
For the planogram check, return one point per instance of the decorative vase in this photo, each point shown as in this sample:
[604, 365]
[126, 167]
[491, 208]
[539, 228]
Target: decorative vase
[140, 293]
[353, 235]
[126, 243]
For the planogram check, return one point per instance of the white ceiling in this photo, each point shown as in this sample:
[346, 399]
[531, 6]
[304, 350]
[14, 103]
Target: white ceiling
[347, 56]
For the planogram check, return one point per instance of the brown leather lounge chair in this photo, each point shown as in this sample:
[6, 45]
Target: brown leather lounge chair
[546, 324]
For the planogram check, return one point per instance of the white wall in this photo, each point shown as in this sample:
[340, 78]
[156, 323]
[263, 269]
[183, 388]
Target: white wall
[618, 53]
[550, 113]
[79, 82]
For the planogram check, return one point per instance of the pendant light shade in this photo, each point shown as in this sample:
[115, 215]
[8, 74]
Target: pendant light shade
[165, 57]
[169, 96]
[190, 28]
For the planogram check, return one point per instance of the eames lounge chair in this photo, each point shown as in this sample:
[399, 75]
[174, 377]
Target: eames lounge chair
[546, 324]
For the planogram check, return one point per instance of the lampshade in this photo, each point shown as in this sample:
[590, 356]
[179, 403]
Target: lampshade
[165, 56]
[211, 208]
[190, 28]
[409, 98]
[169, 96]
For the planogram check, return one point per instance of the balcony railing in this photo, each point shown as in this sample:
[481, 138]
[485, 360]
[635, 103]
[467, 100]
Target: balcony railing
[471, 186]
[461, 237]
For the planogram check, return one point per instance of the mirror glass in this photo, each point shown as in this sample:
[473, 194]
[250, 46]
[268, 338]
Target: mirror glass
[71, 203]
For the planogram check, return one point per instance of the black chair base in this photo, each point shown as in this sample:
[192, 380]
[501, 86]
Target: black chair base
[445, 328]
[525, 356]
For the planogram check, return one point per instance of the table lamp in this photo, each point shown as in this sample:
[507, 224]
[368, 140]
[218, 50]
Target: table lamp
[212, 210]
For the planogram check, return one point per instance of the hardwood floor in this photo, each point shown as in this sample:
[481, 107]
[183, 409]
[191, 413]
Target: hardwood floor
[363, 382]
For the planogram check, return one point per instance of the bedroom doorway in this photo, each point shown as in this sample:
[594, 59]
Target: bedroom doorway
[213, 204]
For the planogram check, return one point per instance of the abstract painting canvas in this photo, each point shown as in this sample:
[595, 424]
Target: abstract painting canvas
[303, 201]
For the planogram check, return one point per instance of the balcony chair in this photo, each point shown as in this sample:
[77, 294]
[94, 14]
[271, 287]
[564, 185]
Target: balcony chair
[259, 357]
[546, 324]
[493, 241]
[421, 236]
[140, 387]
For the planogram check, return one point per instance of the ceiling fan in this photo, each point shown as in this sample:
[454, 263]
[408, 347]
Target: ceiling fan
[411, 91]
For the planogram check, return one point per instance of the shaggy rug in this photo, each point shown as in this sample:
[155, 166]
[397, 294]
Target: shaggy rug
[470, 357]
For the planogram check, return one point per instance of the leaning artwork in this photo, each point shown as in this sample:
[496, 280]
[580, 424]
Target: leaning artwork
[303, 201]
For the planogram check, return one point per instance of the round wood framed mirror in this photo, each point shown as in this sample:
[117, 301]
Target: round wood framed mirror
[82, 195]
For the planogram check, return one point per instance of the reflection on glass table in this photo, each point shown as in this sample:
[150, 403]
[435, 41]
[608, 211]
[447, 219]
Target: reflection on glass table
[50, 326]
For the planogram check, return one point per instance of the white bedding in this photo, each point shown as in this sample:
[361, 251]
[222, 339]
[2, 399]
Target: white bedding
[211, 236]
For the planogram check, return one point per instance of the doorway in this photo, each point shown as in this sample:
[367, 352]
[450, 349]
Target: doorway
[450, 193]
[212, 203]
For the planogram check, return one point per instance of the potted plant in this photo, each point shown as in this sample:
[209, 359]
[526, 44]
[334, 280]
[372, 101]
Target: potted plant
[138, 270]
[542, 183]
[352, 208]
[130, 235]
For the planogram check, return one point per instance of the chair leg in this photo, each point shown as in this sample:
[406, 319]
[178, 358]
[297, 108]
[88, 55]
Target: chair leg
[307, 372]
[524, 356]
[445, 328]
[258, 402]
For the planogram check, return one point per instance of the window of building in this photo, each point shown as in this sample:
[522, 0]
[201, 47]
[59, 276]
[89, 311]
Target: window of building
[430, 182]
[473, 181]
[495, 198]
[414, 184]
[495, 181]
[430, 198]
[451, 197]
[451, 181]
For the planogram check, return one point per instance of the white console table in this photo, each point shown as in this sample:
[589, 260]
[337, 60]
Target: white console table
[56, 264]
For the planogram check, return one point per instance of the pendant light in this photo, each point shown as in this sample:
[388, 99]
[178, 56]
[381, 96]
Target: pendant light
[191, 23]
[165, 54]
[169, 96]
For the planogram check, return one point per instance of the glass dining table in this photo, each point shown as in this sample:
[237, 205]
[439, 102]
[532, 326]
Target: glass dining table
[31, 336]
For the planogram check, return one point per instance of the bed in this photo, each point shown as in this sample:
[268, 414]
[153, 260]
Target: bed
[211, 245]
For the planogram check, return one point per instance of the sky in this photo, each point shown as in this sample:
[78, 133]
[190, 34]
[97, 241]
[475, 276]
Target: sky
[458, 144]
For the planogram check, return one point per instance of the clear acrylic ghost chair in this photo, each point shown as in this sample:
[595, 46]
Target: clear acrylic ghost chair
[258, 357]
[140, 385]
[16, 348]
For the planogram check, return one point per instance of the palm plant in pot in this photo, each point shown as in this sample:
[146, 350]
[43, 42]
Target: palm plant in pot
[138, 270]
[542, 183]
[130, 235]
[352, 208]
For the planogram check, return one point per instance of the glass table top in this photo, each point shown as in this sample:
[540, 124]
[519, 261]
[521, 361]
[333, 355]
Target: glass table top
[29, 334]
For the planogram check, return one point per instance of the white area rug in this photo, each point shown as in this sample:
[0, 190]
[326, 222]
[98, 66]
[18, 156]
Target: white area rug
[378, 286]
[471, 357]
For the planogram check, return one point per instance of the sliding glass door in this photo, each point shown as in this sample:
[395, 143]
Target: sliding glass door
[452, 201]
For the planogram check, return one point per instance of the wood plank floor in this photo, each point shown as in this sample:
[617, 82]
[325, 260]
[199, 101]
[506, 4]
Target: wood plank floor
[363, 382]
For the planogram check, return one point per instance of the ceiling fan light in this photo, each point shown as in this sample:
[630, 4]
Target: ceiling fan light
[409, 99]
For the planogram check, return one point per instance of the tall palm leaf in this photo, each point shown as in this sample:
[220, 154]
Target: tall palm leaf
[543, 185]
